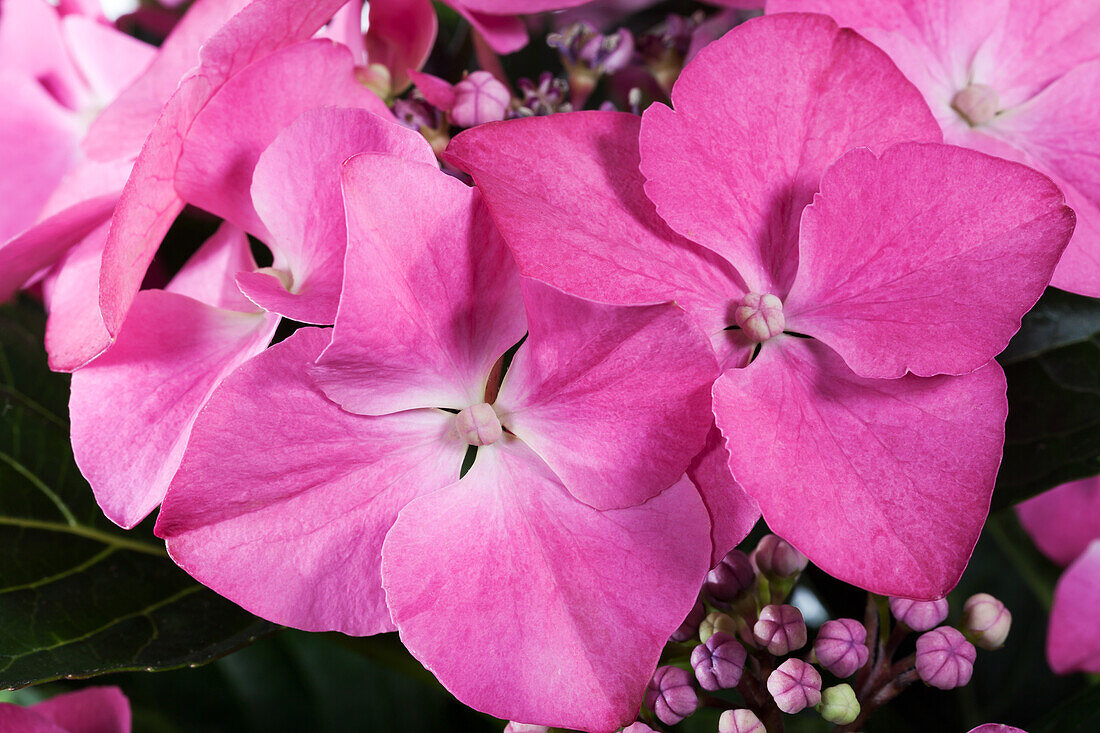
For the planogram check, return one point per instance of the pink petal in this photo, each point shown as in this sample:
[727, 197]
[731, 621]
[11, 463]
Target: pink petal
[90, 710]
[567, 195]
[760, 114]
[464, 567]
[926, 259]
[297, 540]
[23, 720]
[504, 34]
[296, 192]
[32, 46]
[884, 484]
[1064, 520]
[1073, 637]
[108, 59]
[149, 387]
[518, 7]
[733, 513]
[400, 36]
[615, 399]
[216, 167]
[75, 333]
[208, 275]
[438, 92]
[431, 296]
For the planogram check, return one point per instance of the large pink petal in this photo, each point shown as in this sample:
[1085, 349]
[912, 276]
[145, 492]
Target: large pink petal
[925, 259]
[297, 540]
[75, 333]
[733, 513]
[90, 710]
[400, 36]
[518, 7]
[148, 388]
[108, 59]
[503, 33]
[208, 276]
[567, 195]
[1073, 637]
[883, 483]
[296, 192]
[464, 568]
[759, 115]
[615, 399]
[431, 295]
[226, 139]
[32, 46]
[17, 719]
[1064, 520]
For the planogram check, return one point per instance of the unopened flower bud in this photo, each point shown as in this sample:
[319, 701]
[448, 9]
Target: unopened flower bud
[986, 621]
[839, 705]
[730, 578]
[718, 662]
[638, 727]
[514, 727]
[977, 104]
[690, 627]
[760, 316]
[479, 425]
[996, 728]
[742, 720]
[795, 685]
[945, 659]
[841, 646]
[716, 621]
[776, 557]
[919, 615]
[480, 98]
[670, 695]
[780, 629]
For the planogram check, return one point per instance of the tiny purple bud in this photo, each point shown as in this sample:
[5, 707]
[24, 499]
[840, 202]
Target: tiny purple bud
[977, 104]
[480, 98]
[670, 695]
[760, 316]
[986, 621]
[718, 662]
[795, 685]
[945, 659]
[919, 615]
[780, 629]
[841, 646]
[608, 54]
[776, 557]
[690, 627]
[479, 425]
[730, 578]
[742, 720]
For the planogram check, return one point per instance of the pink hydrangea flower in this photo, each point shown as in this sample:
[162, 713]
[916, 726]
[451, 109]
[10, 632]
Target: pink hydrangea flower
[91, 710]
[784, 170]
[363, 525]
[1014, 78]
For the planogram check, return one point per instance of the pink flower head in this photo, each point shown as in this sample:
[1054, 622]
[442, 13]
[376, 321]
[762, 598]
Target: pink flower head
[364, 524]
[90, 710]
[788, 169]
[1013, 78]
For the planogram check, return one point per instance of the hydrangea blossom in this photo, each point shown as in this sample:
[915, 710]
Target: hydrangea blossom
[783, 174]
[371, 422]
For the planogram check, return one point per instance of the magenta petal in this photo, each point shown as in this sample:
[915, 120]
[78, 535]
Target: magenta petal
[90, 710]
[109, 60]
[24, 720]
[400, 36]
[75, 333]
[149, 387]
[567, 195]
[1064, 520]
[1073, 638]
[733, 513]
[503, 33]
[464, 567]
[884, 484]
[925, 259]
[615, 399]
[760, 114]
[296, 192]
[438, 92]
[297, 539]
[431, 295]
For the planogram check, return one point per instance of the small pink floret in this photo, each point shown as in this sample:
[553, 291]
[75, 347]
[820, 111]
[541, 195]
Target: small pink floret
[479, 425]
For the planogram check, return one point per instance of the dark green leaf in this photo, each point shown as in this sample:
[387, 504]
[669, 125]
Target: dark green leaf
[1053, 369]
[78, 596]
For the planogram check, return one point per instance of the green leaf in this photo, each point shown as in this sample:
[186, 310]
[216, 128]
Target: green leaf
[1053, 369]
[79, 596]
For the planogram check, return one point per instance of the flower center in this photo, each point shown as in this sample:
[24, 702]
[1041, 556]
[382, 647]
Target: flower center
[479, 425]
[760, 316]
[977, 104]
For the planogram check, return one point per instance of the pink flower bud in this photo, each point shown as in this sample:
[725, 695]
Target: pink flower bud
[996, 728]
[977, 104]
[776, 557]
[919, 615]
[760, 316]
[479, 425]
[690, 627]
[841, 646]
[795, 685]
[480, 98]
[986, 621]
[780, 629]
[718, 662]
[945, 659]
[638, 727]
[740, 721]
[714, 622]
[730, 578]
[670, 695]
[514, 727]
